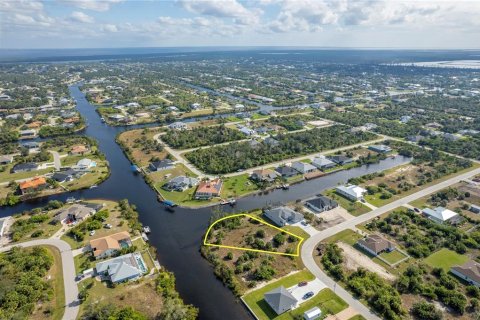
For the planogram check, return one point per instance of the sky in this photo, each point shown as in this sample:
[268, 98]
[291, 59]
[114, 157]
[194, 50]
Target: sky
[415, 24]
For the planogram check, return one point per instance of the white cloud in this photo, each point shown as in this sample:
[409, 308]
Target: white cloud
[223, 9]
[109, 28]
[79, 16]
[94, 5]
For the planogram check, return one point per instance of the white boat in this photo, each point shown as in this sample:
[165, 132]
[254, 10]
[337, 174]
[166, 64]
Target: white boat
[93, 187]
[146, 229]
[71, 200]
[232, 201]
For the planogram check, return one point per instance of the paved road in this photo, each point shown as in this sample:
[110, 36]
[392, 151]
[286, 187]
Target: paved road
[71, 291]
[56, 160]
[308, 248]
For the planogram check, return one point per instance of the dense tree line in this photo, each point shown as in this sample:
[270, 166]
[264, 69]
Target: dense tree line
[22, 281]
[243, 155]
[201, 136]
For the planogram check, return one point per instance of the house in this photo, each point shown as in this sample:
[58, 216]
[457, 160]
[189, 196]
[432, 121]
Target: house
[312, 314]
[271, 142]
[474, 208]
[116, 117]
[77, 212]
[30, 133]
[286, 171]
[415, 138]
[282, 216]
[123, 268]
[280, 300]
[340, 160]
[375, 244]
[25, 167]
[351, 192]
[33, 185]
[108, 245]
[303, 167]
[247, 131]
[451, 137]
[180, 183]
[321, 162]
[161, 165]
[380, 148]
[209, 189]
[440, 214]
[30, 145]
[85, 164]
[267, 175]
[195, 106]
[64, 176]
[469, 272]
[178, 126]
[321, 204]
[6, 159]
[405, 119]
[78, 149]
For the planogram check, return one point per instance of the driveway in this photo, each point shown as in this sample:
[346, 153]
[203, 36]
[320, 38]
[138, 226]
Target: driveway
[308, 228]
[68, 267]
[314, 286]
[56, 160]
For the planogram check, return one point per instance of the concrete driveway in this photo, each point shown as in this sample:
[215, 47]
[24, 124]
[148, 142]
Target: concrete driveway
[314, 286]
[308, 228]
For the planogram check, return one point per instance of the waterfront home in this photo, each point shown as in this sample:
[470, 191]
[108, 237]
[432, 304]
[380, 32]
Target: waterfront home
[180, 183]
[321, 204]
[380, 148]
[123, 268]
[286, 171]
[106, 246]
[85, 164]
[33, 185]
[351, 192]
[78, 149]
[25, 167]
[209, 189]
[340, 160]
[178, 126]
[30, 145]
[77, 212]
[6, 159]
[441, 215]
[116, 117]
[27, 134]
[161, 165]
[303, 167]
[267, 175]
[321, 162]
[469, 272]
[375, 244]
[280, 300]
[282, 216]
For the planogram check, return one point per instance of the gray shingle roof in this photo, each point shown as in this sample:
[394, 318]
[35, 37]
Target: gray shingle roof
[280, 300]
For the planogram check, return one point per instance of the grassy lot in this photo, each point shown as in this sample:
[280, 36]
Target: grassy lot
[140, 156]
[357, 317]
[354, 208]
[6, 176]
[140, 295]
[57, 303]
[328, 301]
[348, 236]
[392, 257]
[237, 186]
[445, 259]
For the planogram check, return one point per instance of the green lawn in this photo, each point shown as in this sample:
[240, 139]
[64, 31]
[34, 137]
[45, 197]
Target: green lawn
[56, 273]
[357, 317]
[392, 257]
[445, 259]
[354, 208]
[348, 236]
[237, 186]
[6, 176]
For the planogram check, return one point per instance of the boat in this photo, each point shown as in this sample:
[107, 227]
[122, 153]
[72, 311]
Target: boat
[103, 119]
[71, 200]
[135, 168]
[169, 203]
[144, 236]
[146, 229]
[93, 187]
[285, 186]
[232, 201]
[223, 202]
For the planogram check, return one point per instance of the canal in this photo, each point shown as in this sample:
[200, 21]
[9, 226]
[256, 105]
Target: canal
[177, 235]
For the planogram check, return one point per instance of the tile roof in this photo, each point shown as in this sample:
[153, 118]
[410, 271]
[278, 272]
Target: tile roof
[100, 245]
[33, 183]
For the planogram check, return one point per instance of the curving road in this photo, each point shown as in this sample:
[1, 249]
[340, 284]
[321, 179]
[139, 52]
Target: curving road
[68, 268]
[308, 248]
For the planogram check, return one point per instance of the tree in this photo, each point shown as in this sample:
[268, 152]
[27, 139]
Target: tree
[426, 311]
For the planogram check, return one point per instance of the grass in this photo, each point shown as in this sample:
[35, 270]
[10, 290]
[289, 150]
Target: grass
[348, 236]
[357, 317]
[238, 186]
[355, 208]
[445, 259]
[392, 257]
[6, 176]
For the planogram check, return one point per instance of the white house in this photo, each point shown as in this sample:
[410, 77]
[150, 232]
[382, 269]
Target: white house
[303, 167]
[351, 192]
[439, 214]
[86, 164]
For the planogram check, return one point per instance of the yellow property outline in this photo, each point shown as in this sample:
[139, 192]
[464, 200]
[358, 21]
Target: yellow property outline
[205, 243]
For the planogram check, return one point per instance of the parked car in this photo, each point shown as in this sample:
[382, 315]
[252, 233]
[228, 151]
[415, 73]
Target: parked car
[92, 232]
[108, 226]
[416, 209]
[303, 284]
[304, 223]
[308, 295]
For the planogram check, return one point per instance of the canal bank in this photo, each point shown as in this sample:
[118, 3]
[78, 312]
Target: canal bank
[177, 235]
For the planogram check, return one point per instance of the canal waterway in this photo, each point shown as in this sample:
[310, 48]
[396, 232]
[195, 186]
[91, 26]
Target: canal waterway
[177, 235]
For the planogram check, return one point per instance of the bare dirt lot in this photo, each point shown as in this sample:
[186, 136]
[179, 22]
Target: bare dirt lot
[333, 217]
[355, 259]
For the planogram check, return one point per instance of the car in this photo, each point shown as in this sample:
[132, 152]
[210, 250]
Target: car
[108, 226]
[79, 277]
[362, 200]
[302, 284]
[304, 223]
[416, 209]
[308, 295]
[92, 232]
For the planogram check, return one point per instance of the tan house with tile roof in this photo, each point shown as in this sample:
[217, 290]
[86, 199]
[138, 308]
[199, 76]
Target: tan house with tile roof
[108, 245]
